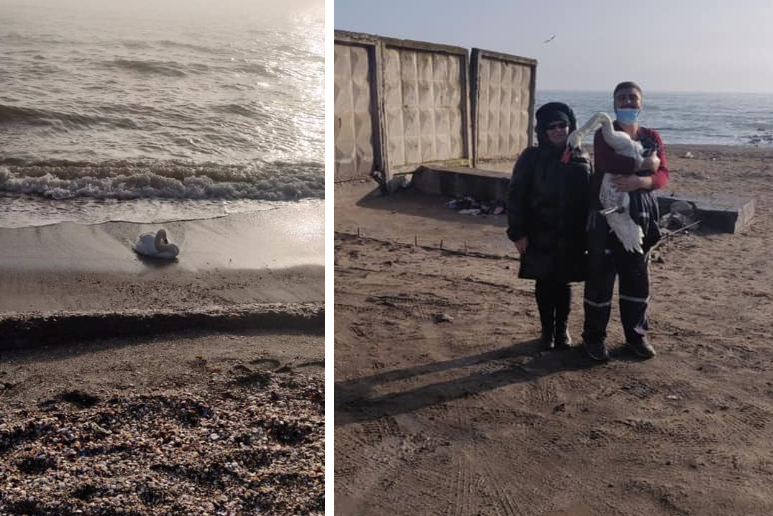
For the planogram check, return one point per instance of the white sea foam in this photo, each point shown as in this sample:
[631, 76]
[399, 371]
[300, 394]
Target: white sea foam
[17, 211]
[124, 180]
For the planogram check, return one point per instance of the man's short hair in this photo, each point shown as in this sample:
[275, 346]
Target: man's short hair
[625, 85]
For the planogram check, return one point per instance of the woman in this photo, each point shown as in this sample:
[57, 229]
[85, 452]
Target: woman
[547, 212]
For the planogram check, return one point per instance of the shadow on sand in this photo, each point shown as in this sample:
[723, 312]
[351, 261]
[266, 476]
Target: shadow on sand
[413, 202]
[521, 362]
[156, 263]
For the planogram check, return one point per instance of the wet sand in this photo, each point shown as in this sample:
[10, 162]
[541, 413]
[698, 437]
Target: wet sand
[263, 257]
[444, 403]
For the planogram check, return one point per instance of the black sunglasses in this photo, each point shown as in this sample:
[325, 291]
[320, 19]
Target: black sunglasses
[557, 125]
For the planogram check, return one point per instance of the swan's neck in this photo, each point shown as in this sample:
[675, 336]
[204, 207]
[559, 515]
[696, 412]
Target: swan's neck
[620, 141]
[575, 139]
[608, 130]
[159, 242]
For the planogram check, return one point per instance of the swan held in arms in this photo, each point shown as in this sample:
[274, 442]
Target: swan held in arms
[156, 245]
[614, 202]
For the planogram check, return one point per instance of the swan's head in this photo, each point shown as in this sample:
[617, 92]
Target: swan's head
[575, 140]
[599, 119]
[161, 238]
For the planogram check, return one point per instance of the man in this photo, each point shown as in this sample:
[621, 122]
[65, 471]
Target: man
[606, 256]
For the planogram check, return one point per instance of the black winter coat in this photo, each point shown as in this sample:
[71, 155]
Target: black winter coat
[548, 204]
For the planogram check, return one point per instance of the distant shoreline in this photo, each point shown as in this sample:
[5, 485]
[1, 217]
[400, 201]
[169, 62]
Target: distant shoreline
[685, 118]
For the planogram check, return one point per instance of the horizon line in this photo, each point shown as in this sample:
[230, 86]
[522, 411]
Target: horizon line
[587, 90]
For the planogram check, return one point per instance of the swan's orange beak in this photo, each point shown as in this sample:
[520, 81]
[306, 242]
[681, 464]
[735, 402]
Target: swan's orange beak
[565, 157]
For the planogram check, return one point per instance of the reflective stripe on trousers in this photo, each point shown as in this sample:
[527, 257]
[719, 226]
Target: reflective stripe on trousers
[603, 268]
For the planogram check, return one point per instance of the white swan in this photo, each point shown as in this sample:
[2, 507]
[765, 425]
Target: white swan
[156, 245]
[614, 202]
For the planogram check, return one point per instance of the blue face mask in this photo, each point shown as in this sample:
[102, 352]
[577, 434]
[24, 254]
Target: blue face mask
[627, 116]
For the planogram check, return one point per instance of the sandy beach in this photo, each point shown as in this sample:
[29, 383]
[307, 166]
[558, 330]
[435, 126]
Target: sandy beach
[444, 403]
[189, 423]
[134, 386]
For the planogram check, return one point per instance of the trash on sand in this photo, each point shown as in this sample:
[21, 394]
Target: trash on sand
[471, 206]
[680, 214]
[441, 318]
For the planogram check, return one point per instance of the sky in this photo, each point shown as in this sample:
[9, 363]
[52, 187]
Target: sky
[672, 46]
[262, 12]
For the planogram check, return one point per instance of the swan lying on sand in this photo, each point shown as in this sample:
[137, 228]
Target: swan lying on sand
[156, 245]
[614, 202]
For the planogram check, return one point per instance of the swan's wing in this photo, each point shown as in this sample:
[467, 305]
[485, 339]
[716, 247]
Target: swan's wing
[146, 244]
[610, 196]
[147, 238]
[622, 144]
[626, 230]
[171, 251]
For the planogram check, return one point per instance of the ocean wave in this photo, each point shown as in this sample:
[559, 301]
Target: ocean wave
[134, 44]
[299, 53]
[168, 43]
[165, 68]
[63, 121]
[272, 181]
[46, 39]
[188, 46]
[240, 109]
[20, 115]
[42, 69]
[254, 68]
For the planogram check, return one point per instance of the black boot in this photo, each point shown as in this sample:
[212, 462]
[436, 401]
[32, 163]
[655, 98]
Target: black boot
[596, 349]
[562, 339]
[547, 314]
[563, 300]
[546, 339]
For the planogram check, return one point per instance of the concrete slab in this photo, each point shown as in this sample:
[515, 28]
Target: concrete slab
[723, 213]
[462, 181]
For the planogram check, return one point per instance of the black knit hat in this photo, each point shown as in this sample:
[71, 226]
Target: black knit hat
[547, 117]
[552, 112]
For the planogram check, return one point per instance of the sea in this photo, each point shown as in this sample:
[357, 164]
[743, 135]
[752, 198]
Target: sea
[158, 111]
[744, 119]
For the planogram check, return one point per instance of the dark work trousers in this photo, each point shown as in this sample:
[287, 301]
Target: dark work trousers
[634, 291]
[553, 301]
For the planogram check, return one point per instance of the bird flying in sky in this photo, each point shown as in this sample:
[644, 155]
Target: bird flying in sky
[549, 39]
